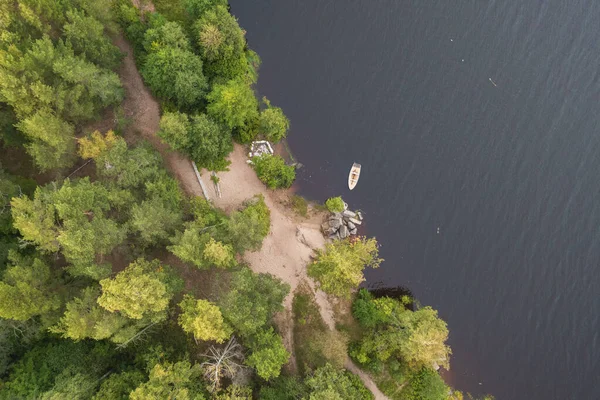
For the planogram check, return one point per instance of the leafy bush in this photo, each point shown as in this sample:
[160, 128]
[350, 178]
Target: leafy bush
[273, 171]
[273, 122]
[339, 269]
[335, 204]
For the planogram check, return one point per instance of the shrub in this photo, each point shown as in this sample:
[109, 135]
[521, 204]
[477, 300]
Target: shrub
[335, 204]
[273, 171]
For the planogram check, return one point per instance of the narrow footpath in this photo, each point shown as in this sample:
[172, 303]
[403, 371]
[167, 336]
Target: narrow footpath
[287, 249]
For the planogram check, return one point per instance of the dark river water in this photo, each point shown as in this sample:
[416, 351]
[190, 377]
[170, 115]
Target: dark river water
[477, 117]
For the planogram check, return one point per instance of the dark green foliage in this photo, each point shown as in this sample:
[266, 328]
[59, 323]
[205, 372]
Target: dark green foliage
[283, 388]
[247, 228]
[222, 43]
[273, 171]
[330, 383]
[365, 310]
[268, 354]
[118, 386]
[204, 140]
[40, 368]
[26, 289]
[171, 381]
[233, 104]
[426, 384]
[15, 337]
[167, 35]
[86, 36]
[273, 122]
[197, 7]
[172, 71]
[258, 295]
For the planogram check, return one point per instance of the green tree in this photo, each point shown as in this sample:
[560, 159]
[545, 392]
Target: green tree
[335, 204]
[268, 354]
[273, 172]
[35, 220]
[339, 269]
[248, 227]
[273, 122]
[233, 104]
[330, 383]
[415, 337]
[27, 289]
[128, 168]
[175, 131]
[143, 289]
[84, 319]
[154, 220]
[203, 319]
[86, 36]
[168, 35]
[197, 7]
[219, 254]
[256, 295]
[211, 142]
[198, 247]
[283, 388]
[235, 392]
[51, 139]
[49, 365]
[222, 43]
[426, 384]
[171, 381]
[175, 75]
[118, 386]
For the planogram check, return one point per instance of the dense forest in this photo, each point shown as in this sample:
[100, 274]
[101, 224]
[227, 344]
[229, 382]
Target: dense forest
[118, 284]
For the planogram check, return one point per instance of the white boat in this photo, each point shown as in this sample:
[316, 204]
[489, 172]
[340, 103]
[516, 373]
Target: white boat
[353, 176]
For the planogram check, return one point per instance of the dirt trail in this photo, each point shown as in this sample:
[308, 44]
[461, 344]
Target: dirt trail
[142, 108]
[287, 249]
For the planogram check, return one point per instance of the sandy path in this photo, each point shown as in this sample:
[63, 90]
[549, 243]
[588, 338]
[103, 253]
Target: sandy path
[143, 110]
[287, 249]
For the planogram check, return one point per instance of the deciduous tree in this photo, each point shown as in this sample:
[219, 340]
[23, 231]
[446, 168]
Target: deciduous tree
[171, 381]
[248, 227]
[273, 172]
[203, 319]
[143, 289]
[339, 268]
[222, 43]
[330, 383]
[176, 76]
[268, 354]
[273, 122]
[258, 295]
[233, 104]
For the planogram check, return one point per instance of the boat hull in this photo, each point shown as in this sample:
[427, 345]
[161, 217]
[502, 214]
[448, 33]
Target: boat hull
[354, 176]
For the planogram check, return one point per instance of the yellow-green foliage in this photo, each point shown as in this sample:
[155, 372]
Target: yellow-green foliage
[339, 268]
[335, 204]
[139, 290]
[203, 319]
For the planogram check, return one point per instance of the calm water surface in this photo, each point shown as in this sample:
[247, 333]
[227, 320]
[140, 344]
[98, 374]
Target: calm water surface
[507, 168]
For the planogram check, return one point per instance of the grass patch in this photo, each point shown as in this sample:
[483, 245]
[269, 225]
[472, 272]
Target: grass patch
[299, 205]
[314, 344]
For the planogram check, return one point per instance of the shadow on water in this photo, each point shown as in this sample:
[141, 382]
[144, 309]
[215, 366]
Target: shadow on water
[378, 290]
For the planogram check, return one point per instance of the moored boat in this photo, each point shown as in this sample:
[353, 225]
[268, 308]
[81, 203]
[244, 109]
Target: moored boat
[353, 176]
